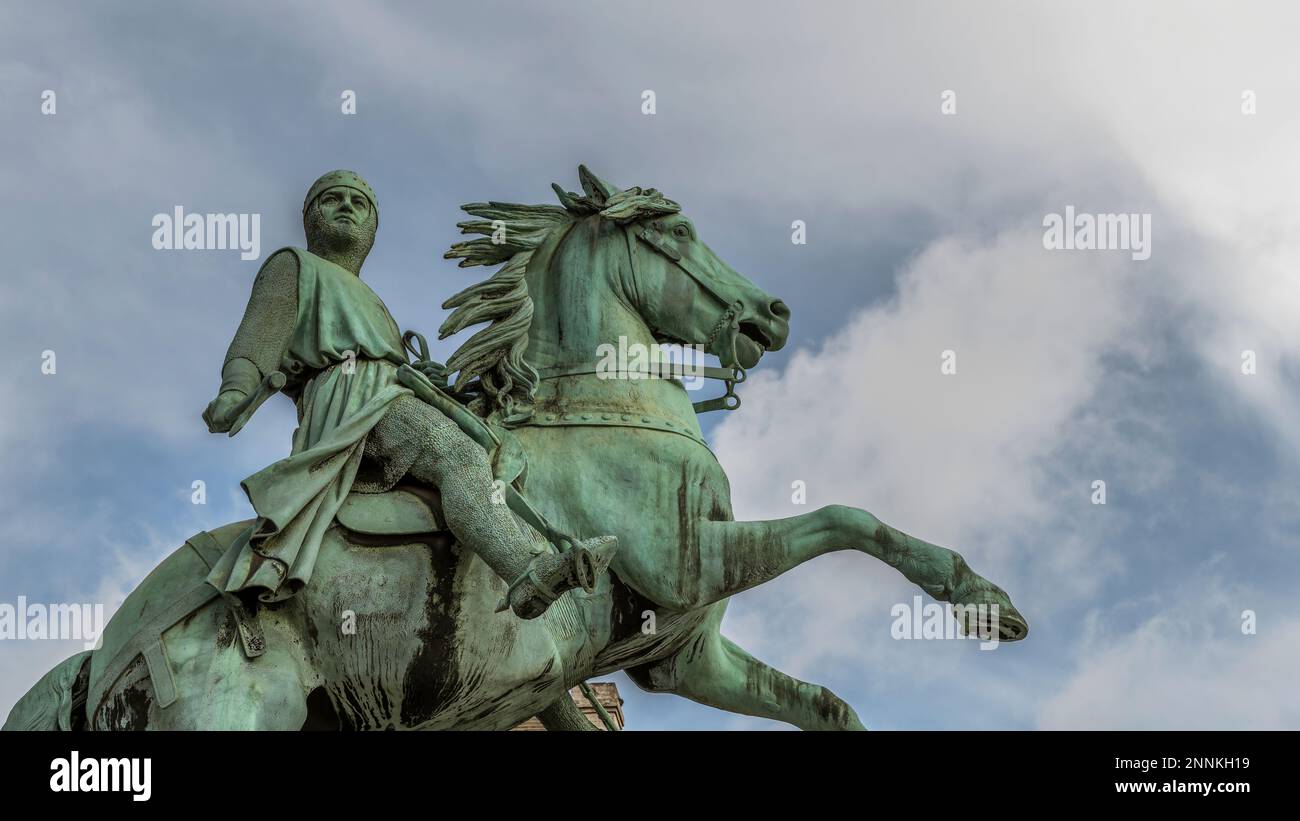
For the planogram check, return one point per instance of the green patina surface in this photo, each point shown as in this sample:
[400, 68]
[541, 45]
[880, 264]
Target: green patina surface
[418, 560]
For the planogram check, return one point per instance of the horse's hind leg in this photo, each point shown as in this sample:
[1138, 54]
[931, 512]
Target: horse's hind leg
[720, 559]
[711, 669]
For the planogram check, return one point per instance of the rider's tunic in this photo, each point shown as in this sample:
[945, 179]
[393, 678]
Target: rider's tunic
[347, 347]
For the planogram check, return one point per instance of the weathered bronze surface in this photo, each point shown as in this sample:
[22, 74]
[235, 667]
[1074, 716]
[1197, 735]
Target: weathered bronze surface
[414, 563]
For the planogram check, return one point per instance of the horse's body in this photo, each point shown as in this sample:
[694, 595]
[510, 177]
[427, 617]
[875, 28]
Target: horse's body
[401, 629]
[423, 647]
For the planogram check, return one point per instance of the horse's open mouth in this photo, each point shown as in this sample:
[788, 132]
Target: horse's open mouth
[756, 334]
[751, 343]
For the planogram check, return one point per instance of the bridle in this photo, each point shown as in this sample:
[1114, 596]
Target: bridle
[731, 310]
[728, 323]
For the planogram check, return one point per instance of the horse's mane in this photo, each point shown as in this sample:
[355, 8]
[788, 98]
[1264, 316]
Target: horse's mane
[494, 356]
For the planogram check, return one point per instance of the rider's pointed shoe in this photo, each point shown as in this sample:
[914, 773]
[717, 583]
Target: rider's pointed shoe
[550, 575]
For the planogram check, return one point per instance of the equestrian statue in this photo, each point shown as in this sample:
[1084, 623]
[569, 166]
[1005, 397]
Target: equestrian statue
[437, 554]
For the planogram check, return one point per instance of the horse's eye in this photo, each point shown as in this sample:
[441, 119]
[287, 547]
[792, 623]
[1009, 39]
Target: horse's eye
[681, 232]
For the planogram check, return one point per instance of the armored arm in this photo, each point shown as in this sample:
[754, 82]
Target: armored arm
[263, 337]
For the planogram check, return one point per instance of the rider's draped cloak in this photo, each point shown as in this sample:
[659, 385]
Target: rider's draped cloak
[347, 347]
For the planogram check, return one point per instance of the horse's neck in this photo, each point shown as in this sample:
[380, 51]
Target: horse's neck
[568, 329]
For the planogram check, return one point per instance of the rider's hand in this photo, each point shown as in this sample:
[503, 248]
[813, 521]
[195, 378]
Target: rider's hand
[435, 371]
[218, 413]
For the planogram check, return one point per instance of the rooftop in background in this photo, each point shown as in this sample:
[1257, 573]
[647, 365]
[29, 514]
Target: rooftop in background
[606, 692]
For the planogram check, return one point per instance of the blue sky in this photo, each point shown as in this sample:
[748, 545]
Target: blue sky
[924, 235]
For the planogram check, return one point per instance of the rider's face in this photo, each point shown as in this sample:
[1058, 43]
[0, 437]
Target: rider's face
[344, 206]
[341, 221]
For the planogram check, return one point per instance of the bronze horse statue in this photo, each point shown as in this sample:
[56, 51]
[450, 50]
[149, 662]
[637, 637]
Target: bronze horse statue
[401, 629]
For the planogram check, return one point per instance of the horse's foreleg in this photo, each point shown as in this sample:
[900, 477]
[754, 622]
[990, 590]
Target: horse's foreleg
[726, 558]
[712, 670]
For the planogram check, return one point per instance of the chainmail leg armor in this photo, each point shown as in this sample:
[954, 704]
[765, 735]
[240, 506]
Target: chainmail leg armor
[414, 438]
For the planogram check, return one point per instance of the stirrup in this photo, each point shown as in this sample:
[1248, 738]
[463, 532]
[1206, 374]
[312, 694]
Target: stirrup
[544, 591]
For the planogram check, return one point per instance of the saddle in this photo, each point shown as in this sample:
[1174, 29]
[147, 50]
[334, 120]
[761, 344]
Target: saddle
[406, 510]
[412, 509]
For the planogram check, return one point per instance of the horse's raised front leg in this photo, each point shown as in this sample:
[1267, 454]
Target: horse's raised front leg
[712, 670]
[724, 558]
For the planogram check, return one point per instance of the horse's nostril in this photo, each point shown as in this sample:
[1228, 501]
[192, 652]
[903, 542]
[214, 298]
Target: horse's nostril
[779, 309]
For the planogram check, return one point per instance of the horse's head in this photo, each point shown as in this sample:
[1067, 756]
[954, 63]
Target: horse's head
[684, 291]
[607, 264]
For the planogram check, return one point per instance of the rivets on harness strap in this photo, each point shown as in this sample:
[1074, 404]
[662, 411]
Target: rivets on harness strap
[613, 420]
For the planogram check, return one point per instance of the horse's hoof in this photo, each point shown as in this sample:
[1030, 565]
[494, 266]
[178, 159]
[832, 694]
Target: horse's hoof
[983, 598]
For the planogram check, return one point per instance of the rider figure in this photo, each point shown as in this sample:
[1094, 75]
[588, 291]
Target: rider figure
[311, 318]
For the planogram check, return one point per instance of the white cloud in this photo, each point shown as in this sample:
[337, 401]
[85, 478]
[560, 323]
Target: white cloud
[960, 460]
[829, 114]
[973, 461]
[1186, 666]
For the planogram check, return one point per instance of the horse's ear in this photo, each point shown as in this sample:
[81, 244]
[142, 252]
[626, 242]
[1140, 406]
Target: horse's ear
[597, 189]
[571, 202]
